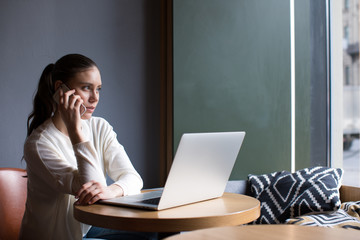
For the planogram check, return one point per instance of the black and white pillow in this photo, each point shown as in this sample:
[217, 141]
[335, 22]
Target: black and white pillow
[286, 195]
[348, 216]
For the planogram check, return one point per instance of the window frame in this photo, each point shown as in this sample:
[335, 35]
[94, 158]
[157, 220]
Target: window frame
[335, 100]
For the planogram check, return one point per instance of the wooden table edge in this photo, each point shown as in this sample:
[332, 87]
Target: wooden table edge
[166, 225]
[269, 231]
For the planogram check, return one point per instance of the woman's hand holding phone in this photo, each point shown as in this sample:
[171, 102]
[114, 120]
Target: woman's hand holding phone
[64, 89]
[69, 106]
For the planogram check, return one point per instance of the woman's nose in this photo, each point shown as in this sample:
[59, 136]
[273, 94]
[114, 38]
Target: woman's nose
[94, 96]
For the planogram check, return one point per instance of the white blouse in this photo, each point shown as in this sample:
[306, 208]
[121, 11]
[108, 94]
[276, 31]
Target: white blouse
[56, 169]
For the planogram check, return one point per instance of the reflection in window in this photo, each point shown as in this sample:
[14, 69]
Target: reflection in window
[347, 75]
[346, 33]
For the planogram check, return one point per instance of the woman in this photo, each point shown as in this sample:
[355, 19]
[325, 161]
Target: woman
[68, 153]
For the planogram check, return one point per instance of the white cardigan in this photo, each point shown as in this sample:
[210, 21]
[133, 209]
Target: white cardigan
[56, 170]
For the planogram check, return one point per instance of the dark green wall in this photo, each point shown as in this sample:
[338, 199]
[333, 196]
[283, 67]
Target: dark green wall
[232, 72]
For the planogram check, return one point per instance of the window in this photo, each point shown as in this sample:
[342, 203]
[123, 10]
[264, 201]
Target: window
[351, 93]
[346, 34]
[347, 75]
[260, 87]
[346, 4]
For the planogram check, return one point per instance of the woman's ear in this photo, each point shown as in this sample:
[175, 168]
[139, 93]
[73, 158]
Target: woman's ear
[57, 84]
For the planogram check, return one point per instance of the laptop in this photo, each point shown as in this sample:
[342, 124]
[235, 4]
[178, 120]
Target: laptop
[201, 168]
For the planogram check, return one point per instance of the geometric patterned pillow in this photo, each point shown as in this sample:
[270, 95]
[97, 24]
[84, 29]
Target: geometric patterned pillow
[348, 216]
[285, 195]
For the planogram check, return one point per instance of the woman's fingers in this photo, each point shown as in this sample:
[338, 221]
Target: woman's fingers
[74, 102]
[92, 192]
[64, 97]
[69, 100]
[88, 194]
[91, 197]
[69, 106]
[83, 187]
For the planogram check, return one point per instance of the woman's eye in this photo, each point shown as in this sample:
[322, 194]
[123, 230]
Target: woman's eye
[86, 88]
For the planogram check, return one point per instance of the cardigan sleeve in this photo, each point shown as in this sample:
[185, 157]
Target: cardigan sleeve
[121, 170]
[46, 162]
[117, 163]
[88, 163]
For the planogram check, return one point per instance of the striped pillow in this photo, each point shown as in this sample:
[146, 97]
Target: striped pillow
[348, 216]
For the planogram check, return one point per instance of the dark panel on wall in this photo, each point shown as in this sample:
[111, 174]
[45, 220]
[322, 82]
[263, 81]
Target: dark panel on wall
[232, 72]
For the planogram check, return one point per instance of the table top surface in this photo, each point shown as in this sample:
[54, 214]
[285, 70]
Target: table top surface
[269, 232]
[229, 210]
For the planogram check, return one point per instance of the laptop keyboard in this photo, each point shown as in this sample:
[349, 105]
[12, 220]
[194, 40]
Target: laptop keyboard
[151, 201]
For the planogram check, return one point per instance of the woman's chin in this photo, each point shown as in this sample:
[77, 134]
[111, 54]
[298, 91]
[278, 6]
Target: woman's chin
[86, 116]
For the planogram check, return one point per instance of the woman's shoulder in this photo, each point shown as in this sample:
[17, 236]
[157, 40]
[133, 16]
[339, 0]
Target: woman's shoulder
[45, 133]
[44, 128]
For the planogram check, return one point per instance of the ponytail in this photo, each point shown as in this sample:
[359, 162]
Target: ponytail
[64, 69]
[43, 102]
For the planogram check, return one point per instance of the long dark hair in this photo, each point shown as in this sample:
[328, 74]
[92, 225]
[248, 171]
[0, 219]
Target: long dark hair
[64, 69]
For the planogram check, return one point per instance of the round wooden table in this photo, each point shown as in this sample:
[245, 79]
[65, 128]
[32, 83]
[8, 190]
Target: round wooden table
[269, 232]
[229, 210]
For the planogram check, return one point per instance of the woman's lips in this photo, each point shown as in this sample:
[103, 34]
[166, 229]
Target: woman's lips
[90, 109]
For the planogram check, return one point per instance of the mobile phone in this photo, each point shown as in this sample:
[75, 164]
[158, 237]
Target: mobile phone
[56, 97]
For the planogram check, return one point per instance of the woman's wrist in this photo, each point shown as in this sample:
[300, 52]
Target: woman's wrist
[117, 190]
[76, 136]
